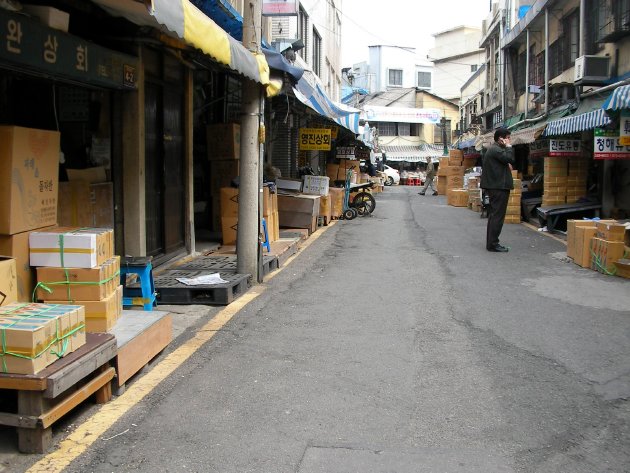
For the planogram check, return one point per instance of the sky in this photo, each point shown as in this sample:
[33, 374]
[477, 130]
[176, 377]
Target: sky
[408, 23]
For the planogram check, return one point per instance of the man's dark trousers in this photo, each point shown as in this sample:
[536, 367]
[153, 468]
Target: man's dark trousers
[496, 215]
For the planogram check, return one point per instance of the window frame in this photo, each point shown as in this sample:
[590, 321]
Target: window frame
[389, 77]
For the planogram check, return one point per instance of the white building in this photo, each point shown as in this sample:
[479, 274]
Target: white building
[318, 26]
[455, 56]
[392, 67]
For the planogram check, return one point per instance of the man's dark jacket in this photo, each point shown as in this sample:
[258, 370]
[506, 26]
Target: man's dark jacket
[495, 172]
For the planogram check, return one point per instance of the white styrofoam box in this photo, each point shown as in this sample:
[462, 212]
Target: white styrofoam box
[49, 16]
[315, 185]
[289, 184]
[70, 247]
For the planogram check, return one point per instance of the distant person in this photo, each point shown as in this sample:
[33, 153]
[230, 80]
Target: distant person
[428, 182]
[371, 170]
[379, 165]
[496, 181]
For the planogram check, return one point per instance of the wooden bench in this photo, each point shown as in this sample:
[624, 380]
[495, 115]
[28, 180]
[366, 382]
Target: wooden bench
[550, 215]
[45, 397]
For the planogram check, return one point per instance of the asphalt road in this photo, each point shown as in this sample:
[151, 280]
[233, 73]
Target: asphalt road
[397, 343]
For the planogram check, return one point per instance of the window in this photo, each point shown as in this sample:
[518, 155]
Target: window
[317, 52]
[424, 80]
[555, 59]
[395, 77]
[538, 75]
[404, 129]
[570, 39]
[473, 67]
[303, 32]
[386, 129]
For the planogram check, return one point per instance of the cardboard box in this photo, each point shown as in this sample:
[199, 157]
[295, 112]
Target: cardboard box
[611, 231]
[8, 281]
[315, 185]
[457, 198]
[224, 141]
[52, 17]
[623, 268]
[454, 182]
[102, 315]
[336, 201]
[229, 202]
[78, 284]
[71, 247]
[82, 204]
[288, 184]
[36, 335]
[16, 246]
[298, 211]
[29, 170]
[605, 254]
[572, 224]
[454, 171]
[325, 207]
[229, 227]
[583, 237]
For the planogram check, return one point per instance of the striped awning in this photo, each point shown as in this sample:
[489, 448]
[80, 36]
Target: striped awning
[527, 135]
[181, 19]
[413, 154]
[575, 123]
[619, 99]
[316, 98]
[194, 27]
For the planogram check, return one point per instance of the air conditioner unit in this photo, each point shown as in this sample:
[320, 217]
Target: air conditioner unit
[591, 70]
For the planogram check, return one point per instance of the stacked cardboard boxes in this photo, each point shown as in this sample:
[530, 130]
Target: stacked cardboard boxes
[576, 179]
[607, 247]
[78, 266]
[556, 177]
[36, 335]
[224, 149]
[299, 211]
[336, 201]
[513, 212]
[474, 194]
[229, 198]
[29, 170]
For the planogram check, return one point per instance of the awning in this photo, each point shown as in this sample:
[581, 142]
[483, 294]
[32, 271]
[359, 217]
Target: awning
[413, 154]
[315, 98]
[278, 61]
[588, 115]
[186, 21]
[467, 143]
[619, 99]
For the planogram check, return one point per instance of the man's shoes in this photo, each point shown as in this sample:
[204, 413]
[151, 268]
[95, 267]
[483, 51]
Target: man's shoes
[420, 193]
[499, 249]
[435, 193]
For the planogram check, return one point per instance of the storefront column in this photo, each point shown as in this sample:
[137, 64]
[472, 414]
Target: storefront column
[133, 152]
[188, 165]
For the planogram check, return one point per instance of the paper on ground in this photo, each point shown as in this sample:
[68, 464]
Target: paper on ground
[206, 279]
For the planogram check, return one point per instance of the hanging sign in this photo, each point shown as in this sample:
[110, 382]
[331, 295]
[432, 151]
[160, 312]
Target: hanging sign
[315, 139]
[624, 128]
[279, 7]
[401, 114]
[32, 46]
[539, 149]
[608, 146]
[346, 152]
[564, 148]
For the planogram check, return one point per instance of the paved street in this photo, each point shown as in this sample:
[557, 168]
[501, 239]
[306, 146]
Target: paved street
[397, 343]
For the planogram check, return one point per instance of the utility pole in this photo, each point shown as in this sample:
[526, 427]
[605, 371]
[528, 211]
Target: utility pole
[443, 124]
[247, 244]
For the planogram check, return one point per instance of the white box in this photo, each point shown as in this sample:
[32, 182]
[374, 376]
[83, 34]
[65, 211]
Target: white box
[71, 247]
[289, 184]
[49, 16]
[315, 185]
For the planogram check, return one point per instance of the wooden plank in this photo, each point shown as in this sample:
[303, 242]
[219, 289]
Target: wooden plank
[18, 420]
[22, 382]
[87, 364]
[146, 342]
[62, 408]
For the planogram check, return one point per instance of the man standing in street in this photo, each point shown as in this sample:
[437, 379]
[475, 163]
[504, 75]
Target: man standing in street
[429, 178]
[496, 181]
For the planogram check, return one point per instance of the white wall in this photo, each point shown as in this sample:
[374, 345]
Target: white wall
[382, 58]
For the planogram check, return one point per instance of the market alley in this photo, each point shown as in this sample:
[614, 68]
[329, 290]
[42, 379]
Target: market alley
[398, 343]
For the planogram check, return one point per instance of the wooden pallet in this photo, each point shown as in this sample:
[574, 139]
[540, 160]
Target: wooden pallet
[223, 262]
[171, 291]
[140, 337]
[45, 397]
